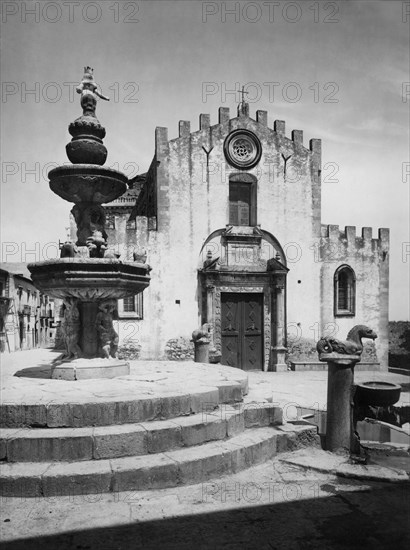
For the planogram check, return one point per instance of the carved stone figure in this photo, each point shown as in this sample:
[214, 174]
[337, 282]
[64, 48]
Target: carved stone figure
[201, 334]
[89, 92]
[97, 245]
[68, 250]
[71, 329]
[89, 219]
[111, 254]
[209, 262]
[140, 255]
[351, 346]
[107, 336]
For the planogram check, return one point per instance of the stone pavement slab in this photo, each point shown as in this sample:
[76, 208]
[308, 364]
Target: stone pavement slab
[275, 505]
[324, 461]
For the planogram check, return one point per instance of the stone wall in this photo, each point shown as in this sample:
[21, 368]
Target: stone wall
[179, 349]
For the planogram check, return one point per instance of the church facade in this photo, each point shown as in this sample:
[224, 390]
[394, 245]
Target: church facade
[230, 218]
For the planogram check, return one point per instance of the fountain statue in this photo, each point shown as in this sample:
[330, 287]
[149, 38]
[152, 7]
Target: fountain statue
[88, 280]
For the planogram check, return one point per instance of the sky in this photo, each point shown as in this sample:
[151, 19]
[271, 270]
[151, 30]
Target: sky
[339, 71]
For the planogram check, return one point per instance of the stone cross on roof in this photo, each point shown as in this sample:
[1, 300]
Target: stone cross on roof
[243, 107]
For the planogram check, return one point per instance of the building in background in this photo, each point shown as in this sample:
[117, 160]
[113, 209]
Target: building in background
[27, 317]
[230, 217]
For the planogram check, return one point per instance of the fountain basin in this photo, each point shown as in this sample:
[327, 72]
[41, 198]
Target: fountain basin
[90, 279]
[378, 394]
[87, 183]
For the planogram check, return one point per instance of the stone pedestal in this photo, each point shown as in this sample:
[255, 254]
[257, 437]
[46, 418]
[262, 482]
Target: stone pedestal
[85, 369]
[339, 424]
[201, 351]
[278, 359]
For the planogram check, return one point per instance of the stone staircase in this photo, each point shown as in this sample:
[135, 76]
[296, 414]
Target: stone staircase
[150, 442]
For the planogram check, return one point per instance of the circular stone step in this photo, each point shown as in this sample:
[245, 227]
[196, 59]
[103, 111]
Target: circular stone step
[69, 444]
[179, 467]
[154, 390]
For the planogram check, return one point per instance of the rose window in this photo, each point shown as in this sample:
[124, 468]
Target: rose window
[242, 149]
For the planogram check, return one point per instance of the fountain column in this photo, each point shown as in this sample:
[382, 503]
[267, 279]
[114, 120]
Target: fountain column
[339, 420]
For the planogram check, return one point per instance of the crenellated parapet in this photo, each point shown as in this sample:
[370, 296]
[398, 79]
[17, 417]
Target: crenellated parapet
[336, 244]
[279, 126]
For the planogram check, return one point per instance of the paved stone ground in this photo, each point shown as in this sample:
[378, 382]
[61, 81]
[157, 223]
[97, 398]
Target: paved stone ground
[25, 378]
[273, 506]
[307, 389]
[295, 501]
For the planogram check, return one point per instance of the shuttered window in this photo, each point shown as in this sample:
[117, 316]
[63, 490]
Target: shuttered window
[239, 203]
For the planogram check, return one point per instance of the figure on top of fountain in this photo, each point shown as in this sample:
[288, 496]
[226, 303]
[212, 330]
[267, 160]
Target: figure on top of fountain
[87, 146]
[89, 92]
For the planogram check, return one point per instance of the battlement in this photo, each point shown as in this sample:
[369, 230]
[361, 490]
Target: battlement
[279, 126]
[333, 234]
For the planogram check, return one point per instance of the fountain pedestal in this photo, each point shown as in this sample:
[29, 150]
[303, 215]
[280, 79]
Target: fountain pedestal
[339, 422]
[341, 357]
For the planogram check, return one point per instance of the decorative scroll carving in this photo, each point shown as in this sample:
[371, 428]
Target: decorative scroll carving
[267, 323]
[241, 289]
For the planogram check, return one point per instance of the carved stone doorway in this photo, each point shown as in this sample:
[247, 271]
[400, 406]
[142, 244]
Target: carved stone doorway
[242, 330]
[242, 296]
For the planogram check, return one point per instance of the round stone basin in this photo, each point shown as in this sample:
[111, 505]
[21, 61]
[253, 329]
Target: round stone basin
[87, 183]
[379, 394]
[90, 279]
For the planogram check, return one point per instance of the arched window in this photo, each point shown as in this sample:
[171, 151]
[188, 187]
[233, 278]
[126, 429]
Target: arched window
[242, 199]
[344, 291]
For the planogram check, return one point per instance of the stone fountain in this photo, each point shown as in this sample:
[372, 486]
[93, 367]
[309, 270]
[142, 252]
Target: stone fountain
[341, 357]
[88, 277]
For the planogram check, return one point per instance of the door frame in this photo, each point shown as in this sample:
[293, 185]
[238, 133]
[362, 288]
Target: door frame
[268, 283]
